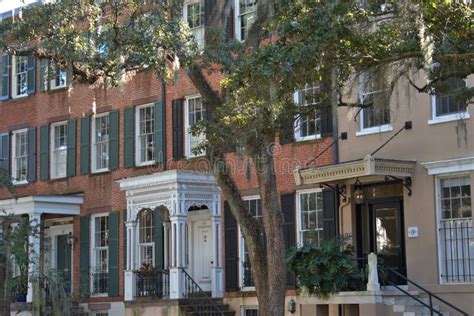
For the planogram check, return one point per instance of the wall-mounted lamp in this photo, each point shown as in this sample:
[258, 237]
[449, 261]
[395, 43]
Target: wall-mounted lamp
[70, 239]
[292, 306]
[359, 196]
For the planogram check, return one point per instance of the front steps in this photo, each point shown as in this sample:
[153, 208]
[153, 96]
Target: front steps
[404, 305]
[197, 305]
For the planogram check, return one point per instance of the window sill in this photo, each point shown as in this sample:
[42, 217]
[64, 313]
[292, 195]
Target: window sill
[57, 89]
[100, 295]
[375, 130]
[19, 98]
[20, 183]
[248, 289]
[100, 171]
[145, 164]
[57, 179]
[449, 118]
[307, 138]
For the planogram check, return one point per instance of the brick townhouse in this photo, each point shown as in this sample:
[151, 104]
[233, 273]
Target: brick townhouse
[111, 177]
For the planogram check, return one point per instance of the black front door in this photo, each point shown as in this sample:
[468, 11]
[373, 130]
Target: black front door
[63, 261]
[387, 239]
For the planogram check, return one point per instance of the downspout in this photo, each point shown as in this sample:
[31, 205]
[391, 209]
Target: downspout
[335, 138]
[163, 100]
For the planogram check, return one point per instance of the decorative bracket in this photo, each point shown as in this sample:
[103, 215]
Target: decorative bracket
[339, 189]
[405, 182]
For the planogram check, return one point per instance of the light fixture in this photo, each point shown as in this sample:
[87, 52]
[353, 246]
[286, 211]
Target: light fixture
[358, 192]
[70, 239]
[292, 306]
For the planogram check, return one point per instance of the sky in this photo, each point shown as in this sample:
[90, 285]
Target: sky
[6, 5]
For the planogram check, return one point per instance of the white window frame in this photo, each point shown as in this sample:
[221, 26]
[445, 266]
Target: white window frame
[245, 308]
[54, 74]
[15, 75]
[241, 243]
[297, 125]
[373, 129]
[137, 135]
[52, 149]
[299, 224]
[438, 215]
[14, 158]
[198, 29]
[94, 144]
[188, 150]
[237, 23]
[93, 249]
[140, 244]
[436, 119]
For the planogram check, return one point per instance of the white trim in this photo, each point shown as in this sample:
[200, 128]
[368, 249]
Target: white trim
[373, 130]
[15, 79]
[52, 81]
[93, 144]
[299, 242]
[52, 160]
[137, 129]
[187, 138]
[39, 204]
[13, 160]
[449, 166]
[297, 122]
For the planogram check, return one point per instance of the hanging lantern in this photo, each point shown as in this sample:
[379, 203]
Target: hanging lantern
[359, 196]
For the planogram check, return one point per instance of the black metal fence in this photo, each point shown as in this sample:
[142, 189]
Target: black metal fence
[153, 283]
[457, 246]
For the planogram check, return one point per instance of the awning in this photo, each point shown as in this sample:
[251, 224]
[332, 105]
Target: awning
[368, 166]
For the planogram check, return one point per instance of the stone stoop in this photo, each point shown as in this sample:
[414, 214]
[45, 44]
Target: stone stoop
[404, 305]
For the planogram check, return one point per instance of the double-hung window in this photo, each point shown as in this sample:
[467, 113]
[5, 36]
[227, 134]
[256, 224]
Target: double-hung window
[20, 156]
[456, 234]
[146, 240]
[375, 105]
[246, 13]
[308, 121]
[310, 217]
[254, 206]
[195, 113]
[100, 142]
[145, 126]
[58, 150]
[58, 77]
[100, 254]
[20, 76]
[446, 106]
[194, 16]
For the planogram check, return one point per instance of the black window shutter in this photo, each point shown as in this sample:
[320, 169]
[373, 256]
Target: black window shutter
[5, 77]
[129, 137]
[159, 133]
[231, 250]
[44, 152]
[288, 209]
[326, 121]
[330, 207]
[287, 134]
[114, 219]
[84, 260]
[5, 152]
[178, 129]
[85, 144]
[114, 140]
[31, 135]
[71, 148]
[31, 74]
[159, 260]
[209, 6]
[229, 24]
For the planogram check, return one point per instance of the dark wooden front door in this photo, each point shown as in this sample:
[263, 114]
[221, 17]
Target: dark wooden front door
[63, 261]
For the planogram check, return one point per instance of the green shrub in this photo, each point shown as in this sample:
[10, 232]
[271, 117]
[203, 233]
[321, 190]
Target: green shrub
[326, 269]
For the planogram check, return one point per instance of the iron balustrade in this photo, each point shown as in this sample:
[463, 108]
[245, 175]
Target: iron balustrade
[198, 299]
[457, 244]
[153, 283]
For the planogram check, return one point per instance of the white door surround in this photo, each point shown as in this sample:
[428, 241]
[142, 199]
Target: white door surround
[177, 191]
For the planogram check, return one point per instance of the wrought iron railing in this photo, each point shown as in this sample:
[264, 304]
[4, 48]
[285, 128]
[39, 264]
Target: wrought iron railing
[198, 299]
[457, 245]
[100, 282]
[153, 283]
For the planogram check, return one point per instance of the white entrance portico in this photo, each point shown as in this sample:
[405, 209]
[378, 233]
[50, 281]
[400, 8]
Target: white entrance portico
[181, 240]
[35, 206]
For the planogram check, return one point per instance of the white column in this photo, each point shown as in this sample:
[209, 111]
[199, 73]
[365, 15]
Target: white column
[130, 282]
[216, 267]
[178, 223]
[166, 243]
[34, 249]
